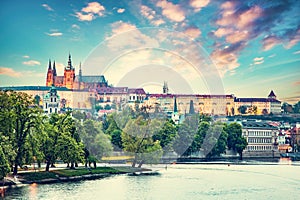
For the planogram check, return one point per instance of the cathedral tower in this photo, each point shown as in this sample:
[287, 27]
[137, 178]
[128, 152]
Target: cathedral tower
[49, 79]
[69, 74]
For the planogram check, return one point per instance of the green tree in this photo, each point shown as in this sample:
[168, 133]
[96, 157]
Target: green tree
[184, 138]
[166, 135]
[199, 136]
[116, 138]
[4, 164]
[296, 107]
[215, 141]
[205, 118]
[79, 115]
[137, 140]
[235, 140]
[287, 108]
[97, 144]
[19, 115]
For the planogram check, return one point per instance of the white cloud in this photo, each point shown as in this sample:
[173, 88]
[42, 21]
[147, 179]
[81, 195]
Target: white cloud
[95, 8]
[83, 17]
[47, 7]
[31, 63]
[9, 72]
[56, 34]
[171, 11]
[258, 62]
[75, 26]
[198, 4]
[121, 10]
[258, 59]
[88, 13]
[192, 32]
[26, 56]
[151, 15]
[297, 52]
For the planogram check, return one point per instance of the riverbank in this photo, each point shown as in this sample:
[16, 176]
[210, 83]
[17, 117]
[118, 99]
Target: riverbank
[65, 175]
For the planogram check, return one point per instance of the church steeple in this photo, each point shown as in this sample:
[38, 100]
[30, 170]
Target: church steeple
[69, 63]
[165, 88]
[80, 72]
[49, 67]
[54, 69]
[175, 106]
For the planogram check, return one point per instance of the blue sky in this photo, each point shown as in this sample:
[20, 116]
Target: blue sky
[244, 48]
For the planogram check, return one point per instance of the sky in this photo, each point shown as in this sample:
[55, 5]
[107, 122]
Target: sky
[245, 48]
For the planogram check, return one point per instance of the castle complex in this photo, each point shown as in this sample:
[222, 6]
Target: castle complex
[81, 92]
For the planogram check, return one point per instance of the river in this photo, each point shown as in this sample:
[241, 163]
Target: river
[179, 181]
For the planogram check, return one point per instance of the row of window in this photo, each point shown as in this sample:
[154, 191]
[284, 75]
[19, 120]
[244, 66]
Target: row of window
[260, 140]
[259, 133]
[259, 148]
[51, 105]
[132, 98]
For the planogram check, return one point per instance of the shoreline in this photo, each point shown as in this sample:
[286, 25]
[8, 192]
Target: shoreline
[58, 177]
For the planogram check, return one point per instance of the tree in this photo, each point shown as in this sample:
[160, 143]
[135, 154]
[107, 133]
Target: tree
[240, 145]
[4, 165]
[79, 115]
[215, 141]
[200, 135]
[287, 108]
[116, 138]
[296, 107]
[205, 118]
[97, 144]
[235, 140]
[19, 115]
[166, 134]
[137, 140]
[242, 109]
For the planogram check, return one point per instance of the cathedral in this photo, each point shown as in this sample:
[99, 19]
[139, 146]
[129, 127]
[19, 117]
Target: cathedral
[71, 81]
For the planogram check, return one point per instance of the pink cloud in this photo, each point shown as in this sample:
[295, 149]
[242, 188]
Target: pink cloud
[120, 10]
[171, 11]
[248, 17]
[147, 12]
[88, 13]
[269, 42]
[83, 17]
[95, 8]
[237, 36]
[120, 27]
[198, 4]
[9, 72]
[296, 83]
[225, 61]
[294, 40]
[223, 32]
[31, 63]
[151, 15]
[192, 32]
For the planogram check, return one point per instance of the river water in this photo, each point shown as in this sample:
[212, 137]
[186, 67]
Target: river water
[179, 181]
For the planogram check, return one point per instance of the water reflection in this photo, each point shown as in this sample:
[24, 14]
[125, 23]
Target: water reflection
[179, 182]
[33, 190]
